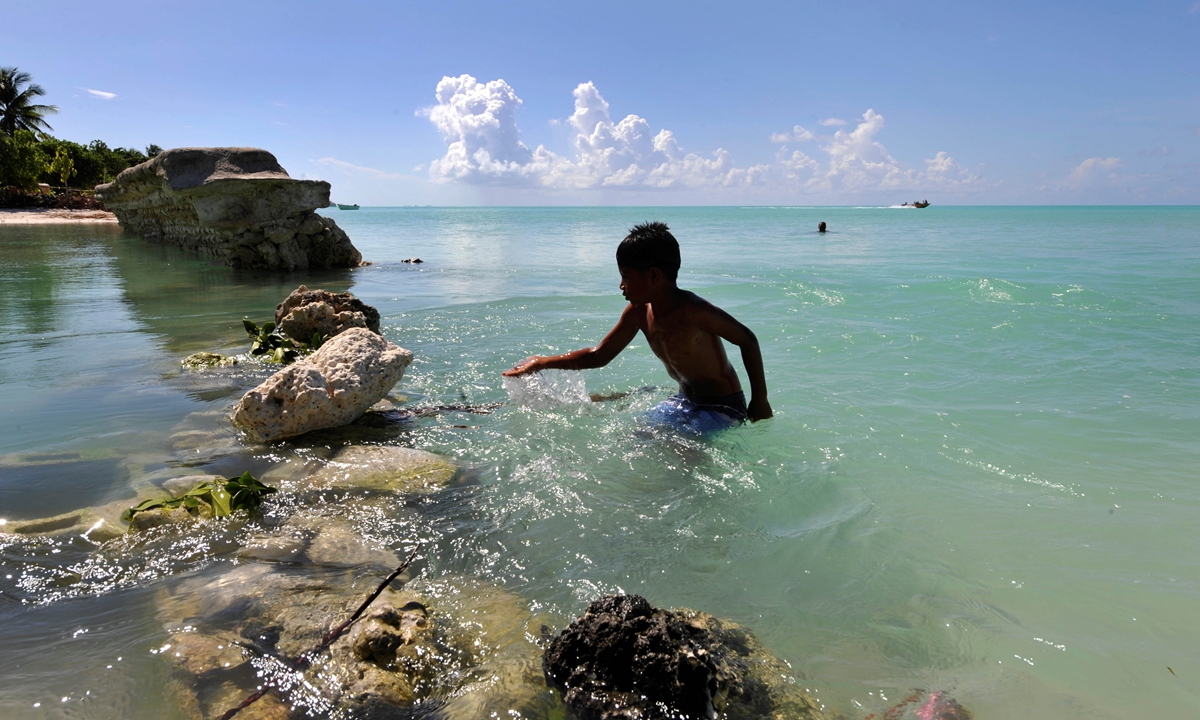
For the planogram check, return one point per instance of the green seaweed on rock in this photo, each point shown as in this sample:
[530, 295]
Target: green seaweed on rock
[277, 347]
[225, 496]
[272, 345]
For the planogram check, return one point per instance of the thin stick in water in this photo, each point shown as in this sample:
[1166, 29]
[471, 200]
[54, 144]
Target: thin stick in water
[305, 659]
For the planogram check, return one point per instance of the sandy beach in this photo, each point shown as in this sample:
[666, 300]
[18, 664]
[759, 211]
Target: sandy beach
[40, 216]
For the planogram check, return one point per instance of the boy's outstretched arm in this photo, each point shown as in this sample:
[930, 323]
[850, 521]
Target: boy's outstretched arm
[725, 326]
[599, 356]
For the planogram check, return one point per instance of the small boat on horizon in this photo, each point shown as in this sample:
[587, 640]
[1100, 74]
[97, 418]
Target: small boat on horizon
[347, 207]
[921, 204]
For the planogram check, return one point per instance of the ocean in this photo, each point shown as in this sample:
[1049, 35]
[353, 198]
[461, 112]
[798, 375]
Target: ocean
[981, 476]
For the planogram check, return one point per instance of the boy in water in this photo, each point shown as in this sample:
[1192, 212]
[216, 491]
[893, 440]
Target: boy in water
[683, 329]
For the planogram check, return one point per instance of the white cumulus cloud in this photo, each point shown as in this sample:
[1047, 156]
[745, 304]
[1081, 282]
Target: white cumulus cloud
[100, 94]
[483, 145]
[629, 153]
[859, 163]
[478, 122]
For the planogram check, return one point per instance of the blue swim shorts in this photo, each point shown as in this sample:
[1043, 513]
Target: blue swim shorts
[700, 415]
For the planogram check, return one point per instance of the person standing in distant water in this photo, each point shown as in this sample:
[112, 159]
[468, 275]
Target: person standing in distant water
[821, 226]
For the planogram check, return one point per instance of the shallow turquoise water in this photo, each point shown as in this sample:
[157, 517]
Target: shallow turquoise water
[981, 476]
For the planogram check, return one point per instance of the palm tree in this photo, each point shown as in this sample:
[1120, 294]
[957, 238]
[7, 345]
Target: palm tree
[17, 111]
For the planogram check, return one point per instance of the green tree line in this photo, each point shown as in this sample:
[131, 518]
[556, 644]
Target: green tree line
[26, 159]
[30, 155]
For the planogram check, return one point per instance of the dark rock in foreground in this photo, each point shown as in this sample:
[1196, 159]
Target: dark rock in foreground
[234, 203]
[624, 659]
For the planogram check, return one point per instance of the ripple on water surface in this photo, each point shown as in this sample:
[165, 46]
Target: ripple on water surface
[977, 479]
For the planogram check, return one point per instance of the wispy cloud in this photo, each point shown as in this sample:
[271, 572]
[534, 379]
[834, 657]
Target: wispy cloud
[1095, 168]
[351, 167]
[1195, 8]
[100, 94]
[798, 134]
[833, 122]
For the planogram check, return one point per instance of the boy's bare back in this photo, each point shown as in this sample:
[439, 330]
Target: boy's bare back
[687, 338]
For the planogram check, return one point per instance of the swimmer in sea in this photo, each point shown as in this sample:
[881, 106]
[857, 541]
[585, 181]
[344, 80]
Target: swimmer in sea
[683, 329]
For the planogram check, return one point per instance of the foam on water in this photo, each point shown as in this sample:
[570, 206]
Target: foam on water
[548, 389]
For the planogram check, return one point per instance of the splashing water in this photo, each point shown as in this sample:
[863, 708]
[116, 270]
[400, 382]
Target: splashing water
[547, 390]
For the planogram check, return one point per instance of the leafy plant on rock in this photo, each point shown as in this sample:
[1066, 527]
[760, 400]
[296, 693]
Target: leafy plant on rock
[224, 495]
[274, 346]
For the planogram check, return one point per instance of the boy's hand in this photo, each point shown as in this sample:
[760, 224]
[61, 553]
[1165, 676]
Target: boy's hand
[759, 410]
[526, 366]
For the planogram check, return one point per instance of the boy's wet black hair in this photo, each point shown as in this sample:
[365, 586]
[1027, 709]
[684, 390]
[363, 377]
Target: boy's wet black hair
[648, 245]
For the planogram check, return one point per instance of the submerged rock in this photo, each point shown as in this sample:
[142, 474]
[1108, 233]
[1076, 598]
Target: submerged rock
[339, 544]
[159, 516]
[332, 387]
[458, 646]
[102, 523]
[305, 313]
[923, 705]
[201, 360]
[202, 437]
[626, 660]
[238, 204]
[386, 468]
[97, 525]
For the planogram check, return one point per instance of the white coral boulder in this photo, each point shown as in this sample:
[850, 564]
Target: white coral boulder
[332, 387]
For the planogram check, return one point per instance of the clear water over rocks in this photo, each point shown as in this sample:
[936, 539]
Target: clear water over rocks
[980, 478]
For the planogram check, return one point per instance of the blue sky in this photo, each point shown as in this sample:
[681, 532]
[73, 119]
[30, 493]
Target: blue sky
[761, 103]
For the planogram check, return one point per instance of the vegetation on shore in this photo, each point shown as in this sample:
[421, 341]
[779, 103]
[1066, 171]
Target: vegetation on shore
[30, 156]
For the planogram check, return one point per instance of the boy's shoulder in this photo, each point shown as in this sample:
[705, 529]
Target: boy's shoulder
[695, 303]
[693, 310]
[689, 309]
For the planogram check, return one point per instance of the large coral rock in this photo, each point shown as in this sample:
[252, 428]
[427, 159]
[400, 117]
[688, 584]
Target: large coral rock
[235, 203]
[307, 312]
[331, 387]
[626, 660]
